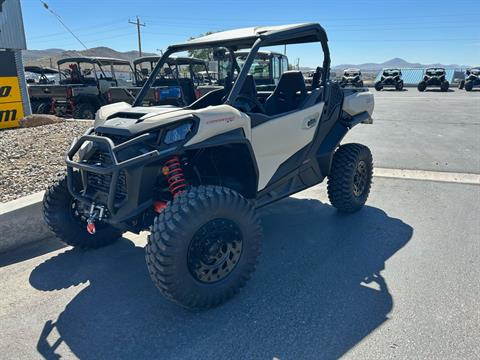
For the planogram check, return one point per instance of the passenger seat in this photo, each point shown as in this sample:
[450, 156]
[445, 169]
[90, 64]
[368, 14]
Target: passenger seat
[288, 95]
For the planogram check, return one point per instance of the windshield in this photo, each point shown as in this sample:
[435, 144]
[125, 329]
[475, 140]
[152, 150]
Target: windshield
[260, 68]
[391, 72]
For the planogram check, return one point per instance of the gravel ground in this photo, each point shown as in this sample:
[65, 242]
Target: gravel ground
[29, 158]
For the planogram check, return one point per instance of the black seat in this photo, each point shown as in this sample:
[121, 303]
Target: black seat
[247, 97]
[249, 88]
[288, 95]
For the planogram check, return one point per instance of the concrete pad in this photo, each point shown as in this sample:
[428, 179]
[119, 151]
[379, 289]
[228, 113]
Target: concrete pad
[398, 279]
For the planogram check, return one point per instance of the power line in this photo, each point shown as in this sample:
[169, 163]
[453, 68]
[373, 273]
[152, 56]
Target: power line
[45, 5]
[139, 34]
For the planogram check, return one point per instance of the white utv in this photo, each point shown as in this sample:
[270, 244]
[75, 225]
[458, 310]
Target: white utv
[194, 176]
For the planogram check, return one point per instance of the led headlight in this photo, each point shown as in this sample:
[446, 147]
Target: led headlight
[178, 133]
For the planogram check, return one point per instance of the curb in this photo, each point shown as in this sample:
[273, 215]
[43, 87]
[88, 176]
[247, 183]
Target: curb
[21, 222]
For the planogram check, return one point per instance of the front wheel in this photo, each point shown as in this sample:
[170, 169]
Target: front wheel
[378, 86]
[399, 86]
[444, 86]
[461, 84]
[84, 111]
[62, 215]
[468, 85]
[422, 85]
[204, 246]
[350, 177]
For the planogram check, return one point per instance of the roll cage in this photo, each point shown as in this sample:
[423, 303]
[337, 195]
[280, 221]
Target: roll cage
[173, 62]
[392, 72]
[247, 38]
[435, 71]
[99, 62]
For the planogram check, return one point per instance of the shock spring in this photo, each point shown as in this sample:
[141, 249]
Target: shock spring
[175, 177]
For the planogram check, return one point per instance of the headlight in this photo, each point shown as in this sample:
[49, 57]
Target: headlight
[178, 133]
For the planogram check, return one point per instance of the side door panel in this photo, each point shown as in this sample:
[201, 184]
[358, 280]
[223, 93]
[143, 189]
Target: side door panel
[275, 141]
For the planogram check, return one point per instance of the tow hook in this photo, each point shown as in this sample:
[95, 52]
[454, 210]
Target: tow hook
[96, 213]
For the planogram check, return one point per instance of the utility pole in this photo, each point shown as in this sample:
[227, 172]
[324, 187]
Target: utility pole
[137, 22]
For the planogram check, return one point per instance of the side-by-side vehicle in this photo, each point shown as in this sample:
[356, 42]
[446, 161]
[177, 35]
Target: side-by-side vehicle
[82, 88]
[194, 176]
[351, 78]
[434, 77]
[390, 78]
[176, 84]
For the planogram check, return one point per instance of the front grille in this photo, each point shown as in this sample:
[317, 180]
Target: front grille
[101, 183]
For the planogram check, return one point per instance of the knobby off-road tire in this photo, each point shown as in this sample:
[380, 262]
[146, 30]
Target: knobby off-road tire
[204, 246]
[468, 85]
[84, 111]
[444, 86]
[378, 86]
[399, 86]
[422, 86]
[350, 178]
[61, 217]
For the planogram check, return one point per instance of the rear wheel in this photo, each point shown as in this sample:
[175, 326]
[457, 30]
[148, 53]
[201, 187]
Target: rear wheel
[444, 86]
[461, 84]
[378, 86]
[84, 111]
[350, 177]
[204, 246]
[422, 85]
[469, 85]
[62, 216]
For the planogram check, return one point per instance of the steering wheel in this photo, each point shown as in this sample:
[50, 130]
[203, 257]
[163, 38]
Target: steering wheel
[252, 101]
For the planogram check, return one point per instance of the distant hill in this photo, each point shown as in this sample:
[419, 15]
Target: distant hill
[42, 57]
[396, 62]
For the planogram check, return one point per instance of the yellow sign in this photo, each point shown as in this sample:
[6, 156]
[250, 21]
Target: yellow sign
[11, 107]
[10, 113]
[9, 90]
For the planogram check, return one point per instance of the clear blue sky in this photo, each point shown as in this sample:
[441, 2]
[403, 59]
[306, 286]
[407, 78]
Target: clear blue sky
[426, 31]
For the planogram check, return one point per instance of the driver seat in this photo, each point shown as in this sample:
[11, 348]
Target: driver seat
[288, 95]
[249, 90]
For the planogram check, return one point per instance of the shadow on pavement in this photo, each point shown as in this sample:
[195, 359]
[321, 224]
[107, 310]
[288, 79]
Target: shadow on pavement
[317, 292]
[30, 251]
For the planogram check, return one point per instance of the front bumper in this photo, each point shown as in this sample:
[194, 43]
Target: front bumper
[133, 169]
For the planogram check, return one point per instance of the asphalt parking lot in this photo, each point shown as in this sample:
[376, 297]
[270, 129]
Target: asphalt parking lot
[397, 280]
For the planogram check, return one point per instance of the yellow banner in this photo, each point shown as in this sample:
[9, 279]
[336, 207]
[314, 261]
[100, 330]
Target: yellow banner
[9, 90]
[10, 113]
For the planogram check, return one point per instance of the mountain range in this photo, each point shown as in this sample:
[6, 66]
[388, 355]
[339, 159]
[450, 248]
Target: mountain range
[42, 58]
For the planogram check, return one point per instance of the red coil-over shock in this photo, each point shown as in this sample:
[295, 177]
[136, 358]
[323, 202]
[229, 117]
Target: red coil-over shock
[175, 176]
[176, 181]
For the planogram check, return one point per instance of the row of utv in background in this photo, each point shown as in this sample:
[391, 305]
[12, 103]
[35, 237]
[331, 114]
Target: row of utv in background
[432, 77]
[84, 84]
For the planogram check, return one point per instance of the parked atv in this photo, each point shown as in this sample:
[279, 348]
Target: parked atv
[434, 77]
[351, 78]
[472, 79]
[82, 87]
[390, 78]
[176, 85]
[195, 176]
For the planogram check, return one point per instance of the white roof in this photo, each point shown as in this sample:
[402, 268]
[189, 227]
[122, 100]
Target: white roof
[242, 33]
